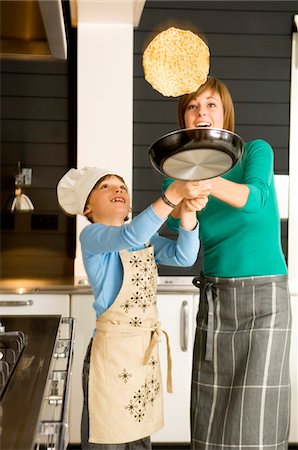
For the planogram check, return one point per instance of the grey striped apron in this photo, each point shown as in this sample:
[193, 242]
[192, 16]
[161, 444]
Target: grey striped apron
[240, 381]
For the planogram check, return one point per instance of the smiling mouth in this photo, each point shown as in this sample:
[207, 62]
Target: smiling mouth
[118, 200]
[203, 125]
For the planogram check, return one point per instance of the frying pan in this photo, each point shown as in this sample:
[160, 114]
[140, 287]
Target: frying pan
[196, 153]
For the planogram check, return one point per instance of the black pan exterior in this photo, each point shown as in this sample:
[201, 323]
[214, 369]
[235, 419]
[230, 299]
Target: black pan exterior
[197, 139]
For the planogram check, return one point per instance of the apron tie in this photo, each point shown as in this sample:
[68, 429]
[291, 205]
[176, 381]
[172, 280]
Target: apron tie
[156, 337]
[207, 290]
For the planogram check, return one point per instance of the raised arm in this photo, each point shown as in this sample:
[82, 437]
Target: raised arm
[197, 191]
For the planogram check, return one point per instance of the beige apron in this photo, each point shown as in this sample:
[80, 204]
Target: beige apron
[125, 386]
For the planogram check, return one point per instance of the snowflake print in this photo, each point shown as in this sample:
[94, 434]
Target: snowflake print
[156, 388]
[135, 322]
[138, 396]
[153, 362]
[125, 375]
[131, 407]
[139, 416]
[142, 296]
[136, 297]
[147, 271]
[151, 399]
[126, 305]
[150, 259]
[143, 397]
[144, 386]
[144, 305]
[145, 288]
[154, 384]
[150, 296]
[150, 277]
[137, 279]
[135, 261]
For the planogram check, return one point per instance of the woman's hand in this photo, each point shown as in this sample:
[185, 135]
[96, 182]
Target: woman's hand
[194, 204]
[195, 191]
[188, 189]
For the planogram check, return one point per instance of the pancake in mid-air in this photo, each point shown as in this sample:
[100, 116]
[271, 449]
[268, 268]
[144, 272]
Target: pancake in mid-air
[176, 62]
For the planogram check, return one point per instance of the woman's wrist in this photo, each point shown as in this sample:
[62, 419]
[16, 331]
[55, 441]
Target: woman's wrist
[167, 201]
[173, 195]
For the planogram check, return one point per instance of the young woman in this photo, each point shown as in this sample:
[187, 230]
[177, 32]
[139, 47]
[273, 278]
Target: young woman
[240, 382]
[121, 376]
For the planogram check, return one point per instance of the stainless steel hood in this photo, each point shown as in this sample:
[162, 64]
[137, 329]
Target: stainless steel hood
[32, 29]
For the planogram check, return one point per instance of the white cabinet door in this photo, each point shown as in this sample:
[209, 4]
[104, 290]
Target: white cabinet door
[82, 310]
[31, 304]
[176, 313]
[294, 372]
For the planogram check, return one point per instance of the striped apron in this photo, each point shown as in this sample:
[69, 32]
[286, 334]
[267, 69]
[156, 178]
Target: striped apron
[240, 381]
[125, 386]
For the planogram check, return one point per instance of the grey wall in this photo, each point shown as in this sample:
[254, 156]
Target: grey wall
[250, 46]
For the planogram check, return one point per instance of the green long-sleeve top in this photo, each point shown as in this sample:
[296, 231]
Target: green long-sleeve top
[242, 242]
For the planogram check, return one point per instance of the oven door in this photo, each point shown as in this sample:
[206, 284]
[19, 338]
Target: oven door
[52, 430]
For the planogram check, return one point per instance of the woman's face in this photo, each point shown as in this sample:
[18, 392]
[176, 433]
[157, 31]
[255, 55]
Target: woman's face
[205, 110]
[109, 202]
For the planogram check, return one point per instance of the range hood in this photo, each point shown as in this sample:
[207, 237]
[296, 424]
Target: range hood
[32, 29]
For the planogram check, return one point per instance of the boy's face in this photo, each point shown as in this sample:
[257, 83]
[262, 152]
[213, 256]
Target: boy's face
[109, 202]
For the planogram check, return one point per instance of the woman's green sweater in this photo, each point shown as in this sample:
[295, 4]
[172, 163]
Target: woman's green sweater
[243, 242]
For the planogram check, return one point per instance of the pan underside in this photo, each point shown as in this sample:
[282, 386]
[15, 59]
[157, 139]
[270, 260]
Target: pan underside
[197, 164]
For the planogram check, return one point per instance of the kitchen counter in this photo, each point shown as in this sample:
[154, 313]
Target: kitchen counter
[165, 284]
[22, 400]
[44, 286]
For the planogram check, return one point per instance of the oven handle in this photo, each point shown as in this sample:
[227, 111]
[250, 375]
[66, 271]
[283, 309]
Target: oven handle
[63, 434]
[184, 326]
[51, 427]
[16, 303]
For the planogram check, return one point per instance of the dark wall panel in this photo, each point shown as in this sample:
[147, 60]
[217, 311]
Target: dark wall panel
[37, 129]
[25, 108]
[257, 91]
[250, 47]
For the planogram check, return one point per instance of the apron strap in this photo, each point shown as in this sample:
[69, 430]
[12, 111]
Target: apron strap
[208, 291]
[156, 337]
[210, 323]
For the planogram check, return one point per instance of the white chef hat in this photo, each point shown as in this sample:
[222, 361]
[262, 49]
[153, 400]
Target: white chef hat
[75, 186]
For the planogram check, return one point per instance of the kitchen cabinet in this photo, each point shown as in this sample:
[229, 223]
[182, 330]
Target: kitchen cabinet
[293, 438]
[34, 304]
[81, 309]
[176, 313]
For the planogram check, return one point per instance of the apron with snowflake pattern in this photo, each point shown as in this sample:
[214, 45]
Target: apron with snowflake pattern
[125, 386]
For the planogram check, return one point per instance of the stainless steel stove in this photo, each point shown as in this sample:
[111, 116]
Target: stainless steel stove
[35, 370]
[12, 344]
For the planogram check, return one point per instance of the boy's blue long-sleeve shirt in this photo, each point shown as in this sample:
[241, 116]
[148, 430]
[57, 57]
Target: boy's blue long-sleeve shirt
[101, 245]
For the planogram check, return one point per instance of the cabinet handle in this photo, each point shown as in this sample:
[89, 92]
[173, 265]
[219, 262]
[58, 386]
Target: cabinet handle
[16, 303]
[184, 326]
